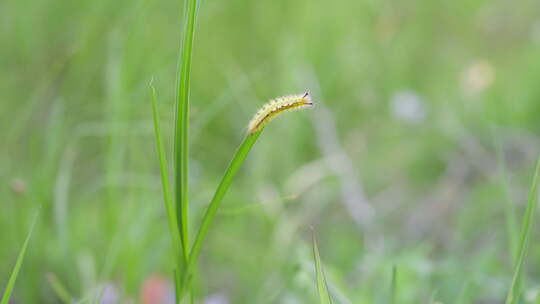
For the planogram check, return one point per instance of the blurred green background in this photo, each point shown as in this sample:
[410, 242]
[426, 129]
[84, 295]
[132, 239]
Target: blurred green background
[419, 152]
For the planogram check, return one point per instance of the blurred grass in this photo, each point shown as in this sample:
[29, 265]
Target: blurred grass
[77, 136]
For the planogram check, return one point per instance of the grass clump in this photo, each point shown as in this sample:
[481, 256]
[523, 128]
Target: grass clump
[178, 211]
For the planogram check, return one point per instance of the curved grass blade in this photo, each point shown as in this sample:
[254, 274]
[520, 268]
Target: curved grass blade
[18, 264]
[234, 166]
[182, 126]
[276, 107]
[322, 286]
[525, 238]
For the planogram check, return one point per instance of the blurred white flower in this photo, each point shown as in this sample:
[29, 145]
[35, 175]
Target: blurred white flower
[408, 107]
[477, 76]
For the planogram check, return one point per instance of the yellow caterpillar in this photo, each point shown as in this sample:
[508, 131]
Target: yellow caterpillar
[275, 107]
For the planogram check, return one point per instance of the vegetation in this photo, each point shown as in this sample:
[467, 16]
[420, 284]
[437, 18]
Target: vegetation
[414, 166]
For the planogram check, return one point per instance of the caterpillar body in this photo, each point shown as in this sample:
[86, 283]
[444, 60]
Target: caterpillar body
[275, 107]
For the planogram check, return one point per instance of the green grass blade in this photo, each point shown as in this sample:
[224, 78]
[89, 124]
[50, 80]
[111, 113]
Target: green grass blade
[167, 197]
[525, 238]
[393, 286]
[18, 264]
[230, 173]
[322, 286]
[182, 126]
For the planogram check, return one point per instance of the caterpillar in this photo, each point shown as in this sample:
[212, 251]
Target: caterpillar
[275, 107]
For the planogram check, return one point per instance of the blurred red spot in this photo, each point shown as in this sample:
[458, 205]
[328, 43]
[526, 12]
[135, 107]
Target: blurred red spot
[156, 290]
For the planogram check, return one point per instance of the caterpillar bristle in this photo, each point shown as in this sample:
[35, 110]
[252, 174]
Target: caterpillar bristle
[275, 107]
